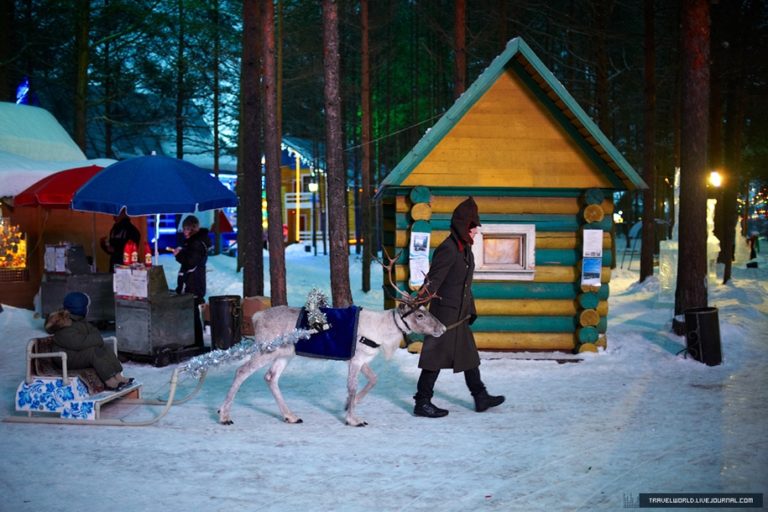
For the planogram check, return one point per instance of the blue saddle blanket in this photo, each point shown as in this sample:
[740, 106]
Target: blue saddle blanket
[337, 342]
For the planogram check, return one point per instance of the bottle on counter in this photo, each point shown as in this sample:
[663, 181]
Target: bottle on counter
[147, 255]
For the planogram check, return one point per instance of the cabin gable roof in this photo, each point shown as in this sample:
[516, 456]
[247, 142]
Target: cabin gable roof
[515, 126]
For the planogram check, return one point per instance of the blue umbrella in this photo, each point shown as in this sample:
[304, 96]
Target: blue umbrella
[148, 185]
[151, 185]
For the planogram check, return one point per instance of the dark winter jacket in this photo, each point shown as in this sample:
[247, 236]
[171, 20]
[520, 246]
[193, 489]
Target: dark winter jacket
[72, 332]
[83, 344]
[450, 276]
[121, 232]
[192, 257]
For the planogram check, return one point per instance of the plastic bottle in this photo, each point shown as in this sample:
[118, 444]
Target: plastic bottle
[147, 255]
[134, 253]
[127, 252]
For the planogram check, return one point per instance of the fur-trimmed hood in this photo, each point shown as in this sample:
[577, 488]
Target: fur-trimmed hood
[58, 320]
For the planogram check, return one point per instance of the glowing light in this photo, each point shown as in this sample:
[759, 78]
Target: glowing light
[715, 179]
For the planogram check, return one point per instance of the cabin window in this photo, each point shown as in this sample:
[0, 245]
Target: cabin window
[505, 252]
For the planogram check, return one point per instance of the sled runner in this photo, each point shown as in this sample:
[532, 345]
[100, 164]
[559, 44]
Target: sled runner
[53, 393]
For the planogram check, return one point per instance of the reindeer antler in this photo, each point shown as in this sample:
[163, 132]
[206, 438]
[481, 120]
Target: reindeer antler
[425, 296]
[412, 301]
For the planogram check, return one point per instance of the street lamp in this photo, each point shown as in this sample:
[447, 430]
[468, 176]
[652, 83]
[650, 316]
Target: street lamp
[715, 179]
[313, 189]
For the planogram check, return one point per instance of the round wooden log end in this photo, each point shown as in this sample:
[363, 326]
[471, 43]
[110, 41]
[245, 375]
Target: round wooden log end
[593, 213]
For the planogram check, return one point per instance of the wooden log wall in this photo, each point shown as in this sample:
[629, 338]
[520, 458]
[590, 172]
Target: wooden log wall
[551, 312]
[589, 334]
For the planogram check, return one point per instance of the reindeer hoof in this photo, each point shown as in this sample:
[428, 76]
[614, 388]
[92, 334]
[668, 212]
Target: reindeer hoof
[298, 420]
[228, 422]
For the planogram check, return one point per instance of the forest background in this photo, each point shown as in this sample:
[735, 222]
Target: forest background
[238, 75]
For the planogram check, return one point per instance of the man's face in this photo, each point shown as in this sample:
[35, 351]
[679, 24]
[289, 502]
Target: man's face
[472, 232]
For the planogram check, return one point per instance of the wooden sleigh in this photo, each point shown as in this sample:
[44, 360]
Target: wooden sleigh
[51, 392]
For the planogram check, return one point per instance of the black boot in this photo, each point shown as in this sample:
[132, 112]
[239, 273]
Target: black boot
[429, 410]
[424, 406]
[484, 401]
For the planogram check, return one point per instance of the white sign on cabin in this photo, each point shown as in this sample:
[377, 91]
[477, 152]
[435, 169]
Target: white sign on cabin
[418, 259]
[592, 253]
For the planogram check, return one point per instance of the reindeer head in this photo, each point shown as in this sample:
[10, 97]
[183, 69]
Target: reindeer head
[422, 321]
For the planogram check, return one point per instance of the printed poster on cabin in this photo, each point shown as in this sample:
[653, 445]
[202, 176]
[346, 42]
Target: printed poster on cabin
[418, 259]
[592, 253]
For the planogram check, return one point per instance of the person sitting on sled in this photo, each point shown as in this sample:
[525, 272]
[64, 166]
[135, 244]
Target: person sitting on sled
[82, 342]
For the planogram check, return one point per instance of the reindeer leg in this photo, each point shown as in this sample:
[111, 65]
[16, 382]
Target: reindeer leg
[272, 377]
[354, 371]
[241, 375]
[371, 376]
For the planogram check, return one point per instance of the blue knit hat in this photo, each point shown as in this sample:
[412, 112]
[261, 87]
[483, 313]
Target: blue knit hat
[77, 303]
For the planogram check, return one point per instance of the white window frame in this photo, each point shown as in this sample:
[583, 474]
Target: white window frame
[506, 272]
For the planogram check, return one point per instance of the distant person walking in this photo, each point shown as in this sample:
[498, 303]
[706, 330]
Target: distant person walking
[754, 249]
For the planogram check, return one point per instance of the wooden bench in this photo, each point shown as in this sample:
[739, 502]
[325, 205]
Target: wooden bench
[50, 386]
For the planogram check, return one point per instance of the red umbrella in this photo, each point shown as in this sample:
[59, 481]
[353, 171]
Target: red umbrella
[56, 190]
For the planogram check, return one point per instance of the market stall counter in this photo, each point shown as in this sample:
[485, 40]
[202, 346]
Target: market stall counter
[153, 323]
[67, 270]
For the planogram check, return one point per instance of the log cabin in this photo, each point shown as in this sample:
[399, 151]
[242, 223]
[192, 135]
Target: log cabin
[543, 175]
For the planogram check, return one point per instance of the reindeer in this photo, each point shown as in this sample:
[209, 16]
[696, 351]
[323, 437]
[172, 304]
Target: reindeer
[376, 329]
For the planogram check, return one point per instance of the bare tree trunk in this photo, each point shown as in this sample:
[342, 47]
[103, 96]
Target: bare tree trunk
[216, 114]
[460, 48]
[249, 237]
[279, 293]
[741, 34]
[181, 71]
[716, 77]
[365, 142]
[691, 291]
[337, 176]
[502, 23]
[111, 78]
[603, 10]
[279, 79]
[649, 145]
[81, 84]
[7, 33]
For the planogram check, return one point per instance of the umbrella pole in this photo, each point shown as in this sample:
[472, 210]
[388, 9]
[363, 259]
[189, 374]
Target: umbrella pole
[157, 237]
[93, 241]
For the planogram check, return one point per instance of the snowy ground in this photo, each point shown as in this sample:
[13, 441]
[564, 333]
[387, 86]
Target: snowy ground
[636, 418]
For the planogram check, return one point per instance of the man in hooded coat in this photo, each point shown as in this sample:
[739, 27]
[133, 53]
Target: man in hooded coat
[450, 277]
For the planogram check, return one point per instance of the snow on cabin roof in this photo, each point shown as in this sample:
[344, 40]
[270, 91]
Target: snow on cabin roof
[33, 132]
[34, 145]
